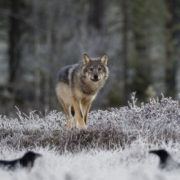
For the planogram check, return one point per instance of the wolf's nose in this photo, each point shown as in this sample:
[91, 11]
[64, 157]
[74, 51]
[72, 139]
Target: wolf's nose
[96, 77]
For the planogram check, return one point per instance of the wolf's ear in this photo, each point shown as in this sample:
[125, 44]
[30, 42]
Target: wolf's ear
[104, 59]
[86, 59]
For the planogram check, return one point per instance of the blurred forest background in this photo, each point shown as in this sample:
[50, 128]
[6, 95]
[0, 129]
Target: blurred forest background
[38, 37]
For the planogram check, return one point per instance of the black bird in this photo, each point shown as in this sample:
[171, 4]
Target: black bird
[166, 161]
[27, 161]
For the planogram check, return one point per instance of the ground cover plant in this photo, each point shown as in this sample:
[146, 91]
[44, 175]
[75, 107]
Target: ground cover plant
[115, 145]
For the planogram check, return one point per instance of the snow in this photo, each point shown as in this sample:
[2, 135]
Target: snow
[131, 163]
[115, 145]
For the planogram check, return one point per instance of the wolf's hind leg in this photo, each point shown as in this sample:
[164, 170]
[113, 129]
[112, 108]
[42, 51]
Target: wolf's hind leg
[72, 111]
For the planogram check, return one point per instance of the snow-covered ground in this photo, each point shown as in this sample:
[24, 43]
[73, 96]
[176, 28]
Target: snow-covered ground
[128, 164]
[115, 146]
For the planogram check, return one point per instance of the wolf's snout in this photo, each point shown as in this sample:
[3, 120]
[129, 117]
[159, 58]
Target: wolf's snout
[95, 78]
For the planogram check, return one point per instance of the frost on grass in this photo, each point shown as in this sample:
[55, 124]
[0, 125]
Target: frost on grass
[156, 122]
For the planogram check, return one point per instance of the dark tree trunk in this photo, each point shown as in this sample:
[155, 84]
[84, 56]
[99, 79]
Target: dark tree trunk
[96, 13]
[14, 39]
[170, 70]
[142, 78]
[125, 49]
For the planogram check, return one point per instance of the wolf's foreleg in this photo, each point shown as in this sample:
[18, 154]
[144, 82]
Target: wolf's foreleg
[79, 120]
[69, 119]
[86, 107]
[67, 110]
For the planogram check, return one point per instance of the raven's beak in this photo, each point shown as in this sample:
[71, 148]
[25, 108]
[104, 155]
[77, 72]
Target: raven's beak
[153, 152]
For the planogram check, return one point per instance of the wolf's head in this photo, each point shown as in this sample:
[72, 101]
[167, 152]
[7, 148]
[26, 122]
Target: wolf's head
[95, 69]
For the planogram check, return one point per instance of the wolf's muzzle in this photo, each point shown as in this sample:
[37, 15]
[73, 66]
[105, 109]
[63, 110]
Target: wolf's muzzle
[95, 78]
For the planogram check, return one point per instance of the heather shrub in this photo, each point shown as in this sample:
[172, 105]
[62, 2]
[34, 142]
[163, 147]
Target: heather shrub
[155, 122]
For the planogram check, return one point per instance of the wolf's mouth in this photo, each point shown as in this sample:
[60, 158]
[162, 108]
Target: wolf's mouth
[94, 80]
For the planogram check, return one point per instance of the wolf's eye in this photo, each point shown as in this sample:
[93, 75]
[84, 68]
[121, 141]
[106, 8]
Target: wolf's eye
[99, 69]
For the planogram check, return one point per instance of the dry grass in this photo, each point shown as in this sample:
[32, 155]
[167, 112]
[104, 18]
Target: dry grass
[155, 122]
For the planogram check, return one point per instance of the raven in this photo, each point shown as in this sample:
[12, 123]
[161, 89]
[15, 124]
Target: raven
[27, 161]
[166, 161]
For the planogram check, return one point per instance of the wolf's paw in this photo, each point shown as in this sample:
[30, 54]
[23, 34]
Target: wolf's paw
[82, 126]
[69, 126]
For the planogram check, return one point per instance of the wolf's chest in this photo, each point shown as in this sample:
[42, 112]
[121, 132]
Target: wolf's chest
[84, 94]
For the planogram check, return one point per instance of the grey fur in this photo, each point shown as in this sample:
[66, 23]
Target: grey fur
[64, 73]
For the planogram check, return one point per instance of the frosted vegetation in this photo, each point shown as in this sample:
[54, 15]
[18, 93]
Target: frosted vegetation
[115, 145]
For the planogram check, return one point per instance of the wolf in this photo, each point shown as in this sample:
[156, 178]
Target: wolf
[77, 87]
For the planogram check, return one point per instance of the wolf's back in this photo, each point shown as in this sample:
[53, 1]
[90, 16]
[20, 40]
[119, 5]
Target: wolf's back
[66, 73]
